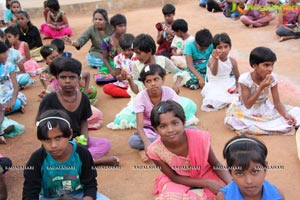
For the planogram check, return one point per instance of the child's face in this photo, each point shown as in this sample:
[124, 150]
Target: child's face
[22, 20]
[3, 57]
[128, 52]
[178, 33]
[171, 128]
[263, 69]
[120, 29]
[68, 81]
[142, 56]
[49, 59]
[11, 38]
[224, 50]
[169, 18]
[99, 21]
[15, 7]
[250, 181]
[153, 84]
[56, 144]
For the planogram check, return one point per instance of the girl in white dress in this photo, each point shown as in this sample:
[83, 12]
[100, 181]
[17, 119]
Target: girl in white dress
[220, 88]
[254, 113]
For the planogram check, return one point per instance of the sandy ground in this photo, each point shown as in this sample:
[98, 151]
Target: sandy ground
[129, 182]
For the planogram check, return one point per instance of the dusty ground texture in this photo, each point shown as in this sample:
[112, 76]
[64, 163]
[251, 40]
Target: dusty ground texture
[131, 183]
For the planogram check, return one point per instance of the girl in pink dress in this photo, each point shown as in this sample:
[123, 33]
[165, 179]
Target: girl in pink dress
[189, 165]
[57, 24]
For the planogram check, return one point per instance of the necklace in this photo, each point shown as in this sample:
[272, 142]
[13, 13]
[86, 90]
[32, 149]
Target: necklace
[24, 32]
[66, 100]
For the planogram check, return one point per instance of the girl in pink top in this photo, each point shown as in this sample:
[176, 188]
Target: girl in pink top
[189, 165]
[153, 77]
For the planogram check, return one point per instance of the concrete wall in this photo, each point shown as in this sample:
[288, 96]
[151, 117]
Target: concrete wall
[112, 6]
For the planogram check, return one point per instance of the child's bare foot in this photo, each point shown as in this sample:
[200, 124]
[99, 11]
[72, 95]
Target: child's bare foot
[143, 156]
[22, 109]
[250, 26]
[2, 140]
[107, 160]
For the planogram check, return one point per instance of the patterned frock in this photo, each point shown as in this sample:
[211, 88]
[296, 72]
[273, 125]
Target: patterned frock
[262, 117]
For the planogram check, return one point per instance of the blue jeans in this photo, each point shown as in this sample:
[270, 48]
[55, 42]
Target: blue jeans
[136, 142]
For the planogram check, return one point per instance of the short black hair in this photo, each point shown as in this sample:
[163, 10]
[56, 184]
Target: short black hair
[261, 54]
[70, 65]
[53, 4]
[221, 37]
[58, 61]
[152, 69]
[203, 38]
[3, 47]
[240, 150]
[60, 45]
[12, 30]
[42, 128]
[47, 50]
[165, 107]
[126, 41]
[180, 25]
[168, 9]
[117, 20]
[145, 43]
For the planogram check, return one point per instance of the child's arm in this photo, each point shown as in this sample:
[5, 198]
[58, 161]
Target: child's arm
[13, 79]
[3, 188]
[86, 77]
[26, 51]
[160, 36]
[64, 20]
[189, 62]
[84, 130]
[213, 185]
[213, 62]
[280, 107]
[222, 173]
[236, 73]
[280, 18]
[105, 60]
[50, 22]
[249, 99]
[140, 130]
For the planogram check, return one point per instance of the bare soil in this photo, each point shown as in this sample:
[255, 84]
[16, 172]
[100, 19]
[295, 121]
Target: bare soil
[131, 182]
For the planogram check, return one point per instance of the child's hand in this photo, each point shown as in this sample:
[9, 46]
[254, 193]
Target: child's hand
[67, 40]
[2, 140]
[290, 119]
[216, 53]
[213, 186]
[267, 81]
[201, 83]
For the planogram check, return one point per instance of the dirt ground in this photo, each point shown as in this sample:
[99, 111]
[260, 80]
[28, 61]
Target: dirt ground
[130, 182]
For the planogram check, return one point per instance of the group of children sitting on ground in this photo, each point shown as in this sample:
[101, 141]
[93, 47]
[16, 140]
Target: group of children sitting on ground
[132, 67]
[259, 13]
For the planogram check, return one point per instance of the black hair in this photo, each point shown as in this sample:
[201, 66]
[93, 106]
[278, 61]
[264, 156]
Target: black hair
[3, 36]
[117, 20]
[126, 41]
[203, 38]
[222, 37]
[165, 107]
[70, 65]
[240, 150]
[180, 25]
[12, 30]
[261, 54]
[15, 1]
[43, 125]
[145, 43]
[3, 47]
[53, 4]
[60, 45]
[152, 69]
[26, 15]
[58, 61]
[168, 9]
[103, 12]
[7, 5]
[47, 50]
